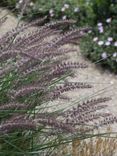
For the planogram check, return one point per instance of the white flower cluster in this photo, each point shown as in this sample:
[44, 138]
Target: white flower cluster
[108, 42]
[66, 7]
[100, 25]
[20, 2]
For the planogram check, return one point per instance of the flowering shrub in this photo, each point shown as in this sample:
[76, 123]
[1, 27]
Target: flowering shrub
[100, 45]
[61, 9]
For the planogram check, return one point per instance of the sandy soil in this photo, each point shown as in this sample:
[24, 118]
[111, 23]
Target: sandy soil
[10, 23]
[104, 83]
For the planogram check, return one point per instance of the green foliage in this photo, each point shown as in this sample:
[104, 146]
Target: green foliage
[8, 3]
[104, 11]
[78, 10]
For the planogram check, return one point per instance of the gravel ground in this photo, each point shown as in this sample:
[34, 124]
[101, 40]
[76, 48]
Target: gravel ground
[104, 83]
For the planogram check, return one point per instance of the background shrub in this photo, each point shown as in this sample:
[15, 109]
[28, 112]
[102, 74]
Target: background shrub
[62, 9]
[101, 44]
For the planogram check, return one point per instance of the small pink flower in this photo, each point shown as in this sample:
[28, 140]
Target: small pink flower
[110, 39]
[101, 30]
[104, 55]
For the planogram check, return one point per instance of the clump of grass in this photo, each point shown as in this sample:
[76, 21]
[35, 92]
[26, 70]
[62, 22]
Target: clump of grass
[105, 146]
[32, 70]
